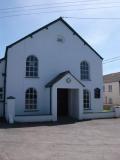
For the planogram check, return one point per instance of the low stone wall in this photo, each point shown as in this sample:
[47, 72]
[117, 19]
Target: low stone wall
[85, 116]
[99, 115]
[107, 107]
[1, 109]
[41, 118]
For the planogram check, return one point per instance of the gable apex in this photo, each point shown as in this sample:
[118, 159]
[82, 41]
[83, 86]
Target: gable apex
[49, 24]
[59, 77]
[75, 33]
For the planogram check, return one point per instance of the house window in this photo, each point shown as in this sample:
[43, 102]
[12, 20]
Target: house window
[31, 99]
[1, 93]
[106, 100]
[32, 66]
[103, 88]
[110, 88]
[97, 93]
[86, 99]
[84, 67]
[110, 101]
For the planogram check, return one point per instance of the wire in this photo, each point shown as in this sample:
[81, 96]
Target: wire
[111, 58]
[43, 4]
[95, 18]
[111, 61]
[52, 7]
[55, 11]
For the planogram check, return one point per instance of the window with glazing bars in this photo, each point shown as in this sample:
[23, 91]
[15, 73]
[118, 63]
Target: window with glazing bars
[1, 93]
[31, 99]
[32, 66]
[86, 99]
[84, 67]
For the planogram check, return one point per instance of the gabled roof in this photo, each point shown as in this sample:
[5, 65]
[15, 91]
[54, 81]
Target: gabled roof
[46, 26]
[113, 77]
[2, 59]
[59, 77]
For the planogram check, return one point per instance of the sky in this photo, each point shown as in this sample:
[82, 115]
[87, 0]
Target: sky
[102, 35]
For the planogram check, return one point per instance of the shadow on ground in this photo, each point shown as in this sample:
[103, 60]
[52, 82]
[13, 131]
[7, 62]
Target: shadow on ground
[61, 121]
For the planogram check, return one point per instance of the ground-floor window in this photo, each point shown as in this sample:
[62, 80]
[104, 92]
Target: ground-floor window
[110, 101]
[31, 99]
[86, 99]
[1, 93]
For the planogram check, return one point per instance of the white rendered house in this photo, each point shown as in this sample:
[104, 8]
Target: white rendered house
[112, 89]
[49, 73]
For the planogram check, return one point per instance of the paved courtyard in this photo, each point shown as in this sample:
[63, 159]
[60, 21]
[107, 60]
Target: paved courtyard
[88, 140]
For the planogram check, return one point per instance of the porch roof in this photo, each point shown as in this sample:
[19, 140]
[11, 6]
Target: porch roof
[59, 77]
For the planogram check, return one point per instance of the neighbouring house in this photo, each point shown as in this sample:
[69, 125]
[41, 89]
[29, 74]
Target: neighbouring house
[50, 73]
[112, 89]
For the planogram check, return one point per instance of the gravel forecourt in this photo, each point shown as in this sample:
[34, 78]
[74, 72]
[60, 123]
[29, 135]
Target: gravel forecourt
[86, 140]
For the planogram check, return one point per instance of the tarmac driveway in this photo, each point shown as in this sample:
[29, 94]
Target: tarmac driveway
[88, 140]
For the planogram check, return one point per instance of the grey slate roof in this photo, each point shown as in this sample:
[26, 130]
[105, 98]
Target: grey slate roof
[59, 77]
[114, 77]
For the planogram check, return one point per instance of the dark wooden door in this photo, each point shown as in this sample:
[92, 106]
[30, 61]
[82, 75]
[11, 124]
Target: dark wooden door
[62, 102]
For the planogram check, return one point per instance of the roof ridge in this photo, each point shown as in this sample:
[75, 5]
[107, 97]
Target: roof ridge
[111, 73]
[113, 77]
[45, 26]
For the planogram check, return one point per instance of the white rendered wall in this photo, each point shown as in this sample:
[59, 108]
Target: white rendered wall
[54, 57]
[2, 70]
[98, 115]
[115, 94]
[74, 103]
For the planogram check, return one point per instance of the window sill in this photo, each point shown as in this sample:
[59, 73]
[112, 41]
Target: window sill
[87, 80]
[32, 110]
[87, 110]
[32, 77]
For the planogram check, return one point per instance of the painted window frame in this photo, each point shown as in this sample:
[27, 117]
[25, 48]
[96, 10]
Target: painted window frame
[31, 98]
[110, 88]
[32, 69]
[84, 71]
[1, 94]
[87, 101]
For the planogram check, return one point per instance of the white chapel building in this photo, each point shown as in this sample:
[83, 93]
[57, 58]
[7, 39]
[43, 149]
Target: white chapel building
[50, 73]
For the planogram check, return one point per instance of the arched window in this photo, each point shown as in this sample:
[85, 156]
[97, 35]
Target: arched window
[31, 99]
[84, 67]
[86, 99]
[97, 93]
[31, 66]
